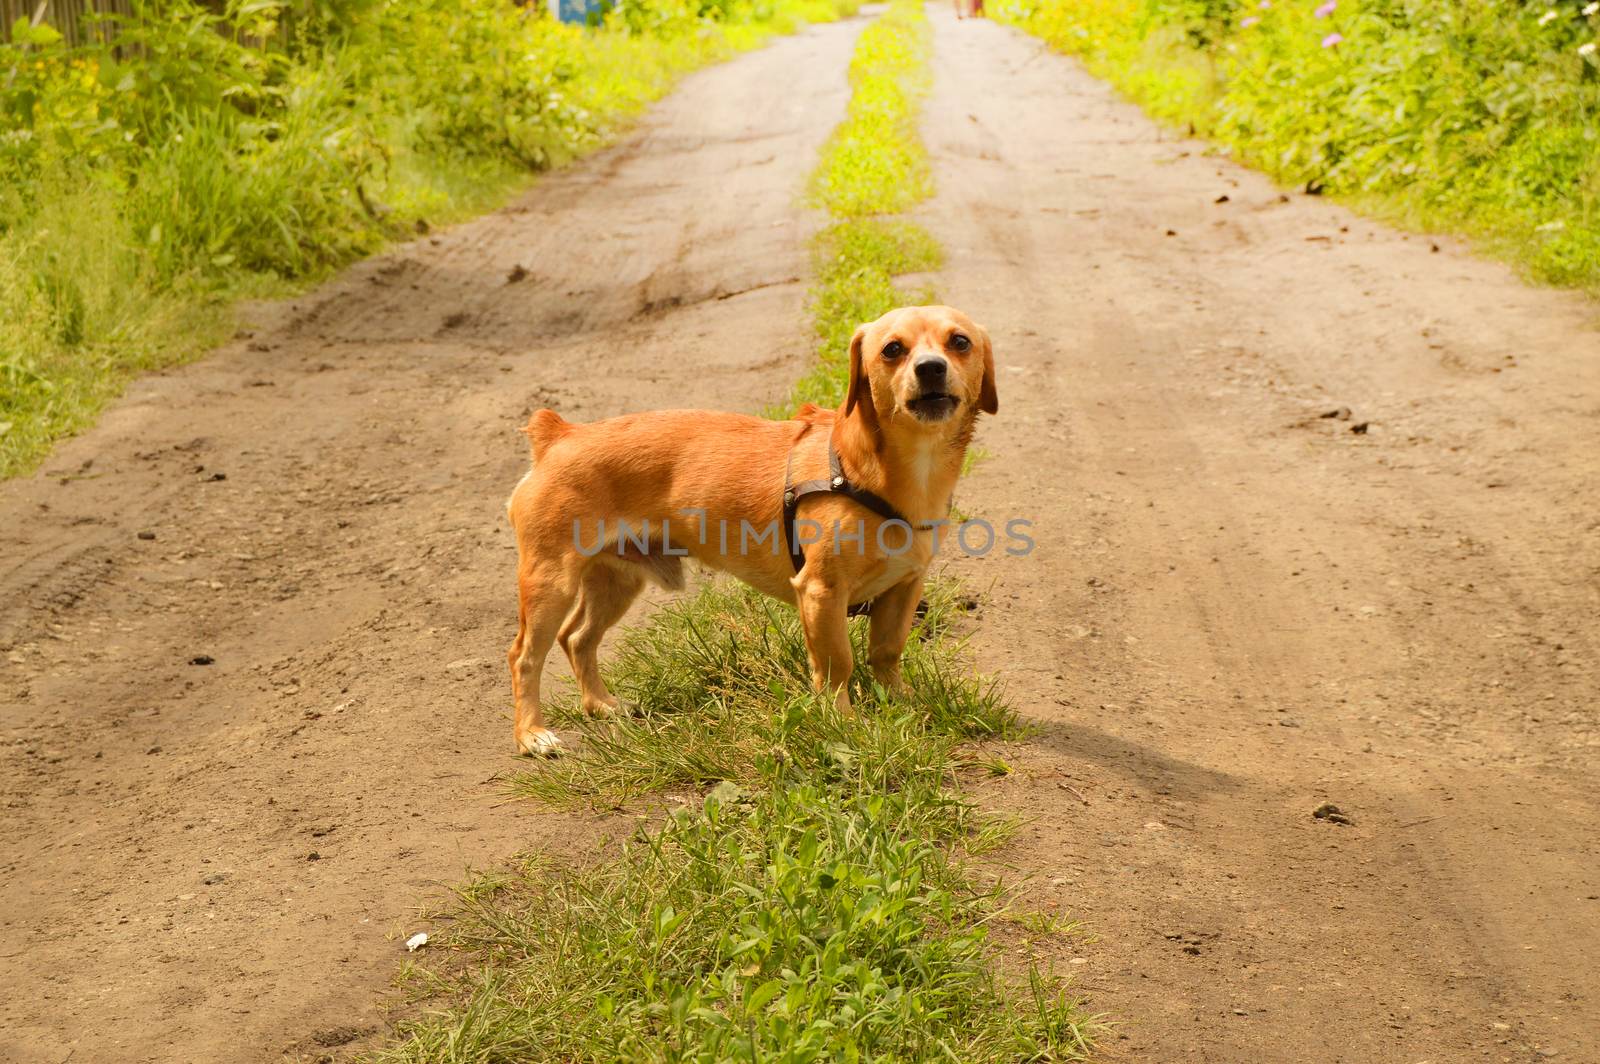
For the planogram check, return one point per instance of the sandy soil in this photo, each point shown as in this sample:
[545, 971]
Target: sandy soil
[1237, 610]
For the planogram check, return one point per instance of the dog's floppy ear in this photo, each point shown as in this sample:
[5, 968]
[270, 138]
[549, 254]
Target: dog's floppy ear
[988, 395]
[860, 391]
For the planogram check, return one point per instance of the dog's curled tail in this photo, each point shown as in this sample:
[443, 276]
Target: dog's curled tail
[544, 428]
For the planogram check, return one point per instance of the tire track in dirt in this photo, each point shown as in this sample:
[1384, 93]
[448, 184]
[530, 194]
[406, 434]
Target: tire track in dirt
[1239, 609]
[208, 862]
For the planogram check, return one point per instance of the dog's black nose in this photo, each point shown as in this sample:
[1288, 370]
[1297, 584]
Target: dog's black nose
[930, 371]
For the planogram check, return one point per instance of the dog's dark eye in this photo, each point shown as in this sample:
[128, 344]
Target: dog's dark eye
[893, 349]
[958, 342]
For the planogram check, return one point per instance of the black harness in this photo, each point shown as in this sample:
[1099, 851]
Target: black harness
[836, 484]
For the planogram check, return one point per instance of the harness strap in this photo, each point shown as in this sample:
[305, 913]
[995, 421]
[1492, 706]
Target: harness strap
[836, 484]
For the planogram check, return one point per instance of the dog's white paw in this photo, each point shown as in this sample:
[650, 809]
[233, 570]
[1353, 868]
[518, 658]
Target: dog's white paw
[539, 742]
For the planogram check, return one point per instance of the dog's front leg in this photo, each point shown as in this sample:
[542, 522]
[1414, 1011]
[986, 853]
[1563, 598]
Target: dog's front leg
[824, 614]
[893, 614]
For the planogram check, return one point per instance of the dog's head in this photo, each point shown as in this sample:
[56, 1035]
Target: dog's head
[924, 369]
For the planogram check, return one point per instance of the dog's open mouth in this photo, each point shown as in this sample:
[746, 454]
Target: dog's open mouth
[933, 407]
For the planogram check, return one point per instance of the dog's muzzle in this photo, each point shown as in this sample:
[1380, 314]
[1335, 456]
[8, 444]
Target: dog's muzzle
[935, 403]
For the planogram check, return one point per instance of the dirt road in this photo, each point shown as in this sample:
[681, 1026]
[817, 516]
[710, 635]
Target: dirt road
[352, 580]
[1237, 609]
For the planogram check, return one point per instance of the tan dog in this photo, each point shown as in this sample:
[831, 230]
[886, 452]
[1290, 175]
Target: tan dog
[612, 504]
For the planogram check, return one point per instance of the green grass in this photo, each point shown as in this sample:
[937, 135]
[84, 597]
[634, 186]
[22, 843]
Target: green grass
[875, 162]
[804, 901]
[142, 196]
[726, 687]
[1465, 115]
[73, 330]
[806, 907]
[795, 927]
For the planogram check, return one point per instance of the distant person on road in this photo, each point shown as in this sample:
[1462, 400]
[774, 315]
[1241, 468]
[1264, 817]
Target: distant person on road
[969, 8]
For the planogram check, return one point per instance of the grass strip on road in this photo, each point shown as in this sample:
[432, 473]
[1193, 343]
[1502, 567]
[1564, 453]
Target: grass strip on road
[810, 906]
[856, 263]
[875, 164]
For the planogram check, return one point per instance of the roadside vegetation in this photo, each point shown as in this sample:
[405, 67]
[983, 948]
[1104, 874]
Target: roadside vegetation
[199, 153]
[1468, 115]
[803, 898]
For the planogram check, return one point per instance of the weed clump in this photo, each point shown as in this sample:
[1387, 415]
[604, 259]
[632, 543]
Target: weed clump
[796, 926]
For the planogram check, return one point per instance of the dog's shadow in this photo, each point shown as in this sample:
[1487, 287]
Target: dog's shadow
[1138, 762]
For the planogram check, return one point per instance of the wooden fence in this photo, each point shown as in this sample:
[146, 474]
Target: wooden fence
[67, 16]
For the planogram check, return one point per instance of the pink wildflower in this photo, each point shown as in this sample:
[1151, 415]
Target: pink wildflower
[1246, 23]
[1327, 9]
[1332, 39]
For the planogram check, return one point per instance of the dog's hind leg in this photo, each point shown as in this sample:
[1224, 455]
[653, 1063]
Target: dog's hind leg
[545, 594]
[605, 593]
